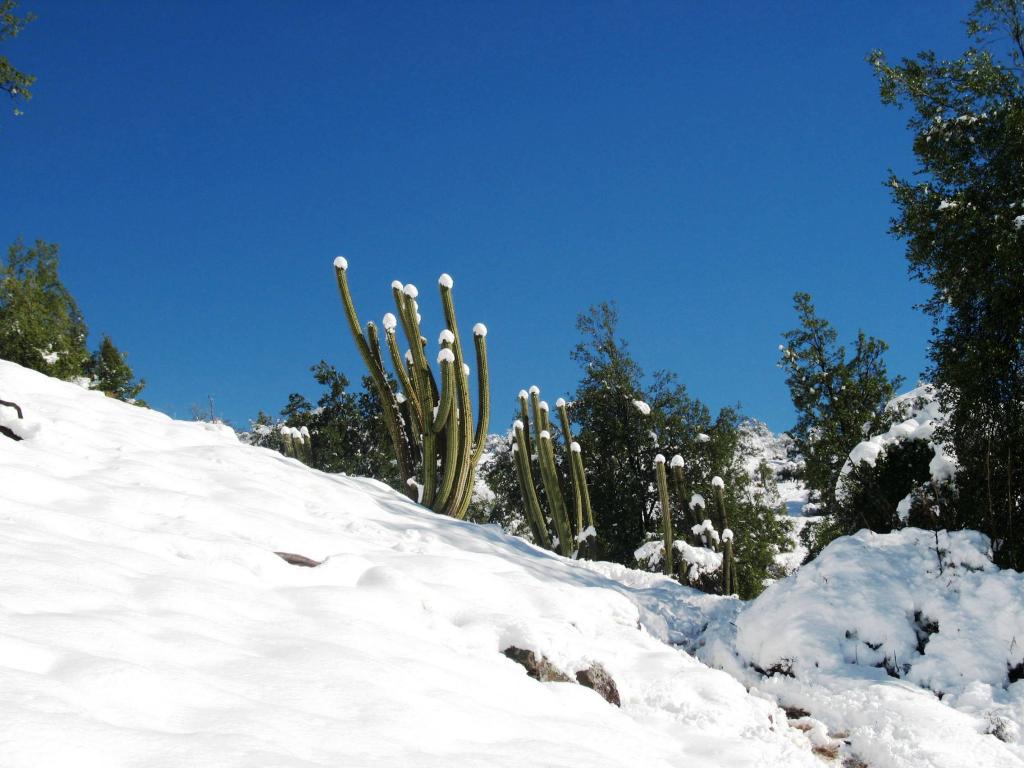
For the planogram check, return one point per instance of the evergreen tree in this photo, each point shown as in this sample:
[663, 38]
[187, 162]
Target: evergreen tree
[839, 401]
[41, 326]
[963, 222]
[110, 373]
[15, 83]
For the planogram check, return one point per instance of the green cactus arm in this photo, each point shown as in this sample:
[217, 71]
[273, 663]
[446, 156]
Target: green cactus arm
[718, 491]
[584, 490]
[527, 485]
[666, 514]
[444, 408]
[483, 391]
[287, 444]
[524, 416]
[538, 422]
[402, 372]
[563, 417]
[458, 503]
[549, 478]
[377, 375]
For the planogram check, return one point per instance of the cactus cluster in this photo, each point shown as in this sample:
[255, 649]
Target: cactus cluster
[571, 535]
[704, 532]
[430, 424]
[296, 443]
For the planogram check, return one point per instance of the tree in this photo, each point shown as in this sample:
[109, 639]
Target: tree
[15, 83]
[110, 373]
[963, 223]
[41, 326]
[347, 429]
[839, 401]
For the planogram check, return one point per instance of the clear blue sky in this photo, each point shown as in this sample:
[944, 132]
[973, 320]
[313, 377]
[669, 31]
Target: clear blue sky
[200, 165]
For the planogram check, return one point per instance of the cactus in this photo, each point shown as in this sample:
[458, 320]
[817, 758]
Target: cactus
[430, 426]
[728, 566]
[666, 514]
[533, 409]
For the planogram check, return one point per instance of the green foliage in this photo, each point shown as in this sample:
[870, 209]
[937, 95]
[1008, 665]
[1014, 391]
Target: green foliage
[41, 326]
[839, 401]
[15, 83]
[347, 429]
[961, 218]
[870, 494]
[110, 373]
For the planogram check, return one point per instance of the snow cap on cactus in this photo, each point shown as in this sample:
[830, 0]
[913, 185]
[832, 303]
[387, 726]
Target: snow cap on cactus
[400, 397]
[523, 395]
[727, 534]
[445, 281]
[544, 405]
[411, 291]
[390, 322]
[479, 329]
[517, 425]
[717, 482]
[534, 390]
[397, 285]
[545, 435]
[445, 356]
[560, 402]
[446, 337]
[408, 356]
[659, 459]
[696, 500]
[465, 370]
[304, 430]
[340, 262]
[677, 461]
[575, 447]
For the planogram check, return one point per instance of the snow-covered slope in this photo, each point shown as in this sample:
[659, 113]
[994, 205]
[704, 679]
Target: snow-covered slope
[146, 621]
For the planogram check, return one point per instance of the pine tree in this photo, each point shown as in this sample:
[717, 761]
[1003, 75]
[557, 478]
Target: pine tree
[839, 401]
[110, 373]
[962, 218]
[41, 326]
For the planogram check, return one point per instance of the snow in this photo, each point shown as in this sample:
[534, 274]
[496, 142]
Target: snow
[933, 609]
[696, 500]
[396, 285]
[543, 405]
[925, 415]
[534, 390]
[717, 482]
[465, 370]
[340, 262]
[575, 447]
[479, 329]
[390, 322]
[445, 281]
[411, 291]
[677, 461]
[523, 395]
[560, 402]
[643, 407]
[659, 459]
[1018, 222]
[545, 435]
[445, 356]
[146, 621]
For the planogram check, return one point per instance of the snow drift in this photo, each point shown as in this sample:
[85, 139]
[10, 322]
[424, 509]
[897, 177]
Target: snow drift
[145, 619]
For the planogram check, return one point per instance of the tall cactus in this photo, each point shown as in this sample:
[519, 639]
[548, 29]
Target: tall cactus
[534, 410]
[430, 426]
[666, 515]
[728, 565]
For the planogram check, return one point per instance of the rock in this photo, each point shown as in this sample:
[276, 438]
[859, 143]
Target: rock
[302, 560]
[536, 666]
[597, 678]
[594, 677]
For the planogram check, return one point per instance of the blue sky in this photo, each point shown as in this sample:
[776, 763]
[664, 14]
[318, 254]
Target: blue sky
[201, 164]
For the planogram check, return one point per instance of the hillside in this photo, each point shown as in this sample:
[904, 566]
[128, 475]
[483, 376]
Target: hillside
[147, 621]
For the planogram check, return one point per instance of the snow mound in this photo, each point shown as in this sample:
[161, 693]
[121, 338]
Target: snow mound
[911, 629]
[145, 618]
